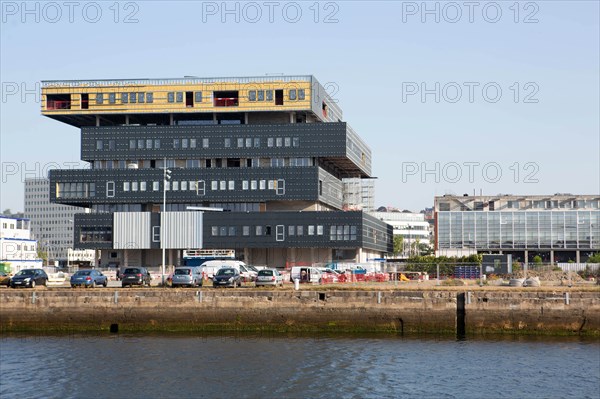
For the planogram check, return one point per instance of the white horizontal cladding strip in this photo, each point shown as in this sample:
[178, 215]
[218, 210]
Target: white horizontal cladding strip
[131, 230]
[181, 230]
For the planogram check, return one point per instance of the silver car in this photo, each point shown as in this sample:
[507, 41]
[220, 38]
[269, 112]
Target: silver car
[269, 277]
[190, 276]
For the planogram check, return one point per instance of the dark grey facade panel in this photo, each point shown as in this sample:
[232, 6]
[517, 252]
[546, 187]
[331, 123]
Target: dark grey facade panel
[300, 183]
[275, 230]
[321, 140]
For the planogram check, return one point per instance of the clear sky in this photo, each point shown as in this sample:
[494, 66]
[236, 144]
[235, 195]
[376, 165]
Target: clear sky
[452, 97]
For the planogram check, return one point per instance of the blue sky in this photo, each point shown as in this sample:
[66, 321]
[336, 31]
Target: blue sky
[511, 101]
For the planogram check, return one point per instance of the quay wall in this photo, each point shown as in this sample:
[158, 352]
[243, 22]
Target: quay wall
[393, 311]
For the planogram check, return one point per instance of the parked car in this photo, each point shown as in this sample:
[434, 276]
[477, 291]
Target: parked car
[331, 275]
[88, 278]
[305, 274]
[29, 278]
[227, 277]
[4, 279]
[187, 276]
[135, 276]
[269, 277]
[210, 268]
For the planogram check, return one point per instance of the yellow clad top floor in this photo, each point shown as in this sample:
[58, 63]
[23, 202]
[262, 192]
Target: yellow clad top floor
[62, 99]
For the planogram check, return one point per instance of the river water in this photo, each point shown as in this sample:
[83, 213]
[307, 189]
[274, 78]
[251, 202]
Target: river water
[175, 366]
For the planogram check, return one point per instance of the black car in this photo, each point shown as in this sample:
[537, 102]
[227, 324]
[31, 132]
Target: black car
[29, 278]
[227, 277]
[135, 276]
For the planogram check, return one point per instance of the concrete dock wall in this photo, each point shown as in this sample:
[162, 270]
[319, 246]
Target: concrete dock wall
[435, 311]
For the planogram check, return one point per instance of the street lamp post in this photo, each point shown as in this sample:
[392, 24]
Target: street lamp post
[166, 177]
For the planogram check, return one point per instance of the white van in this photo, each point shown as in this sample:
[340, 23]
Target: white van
[210, 267]
[306, 274]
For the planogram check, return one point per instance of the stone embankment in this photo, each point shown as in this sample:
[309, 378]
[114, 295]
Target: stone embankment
[451, 311]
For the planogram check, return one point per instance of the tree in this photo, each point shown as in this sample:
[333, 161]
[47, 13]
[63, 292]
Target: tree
[398, 245]
[537, 260]
[595, 258]
[43, 255]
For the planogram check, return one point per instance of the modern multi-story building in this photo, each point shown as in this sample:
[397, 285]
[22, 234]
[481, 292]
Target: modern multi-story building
[271, 152]
[358, 194]
[52, 225]
[412, 227]
[17, 249]
[558, 227]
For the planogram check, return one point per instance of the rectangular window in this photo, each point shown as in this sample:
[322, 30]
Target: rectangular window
[200, 188]
[176, 144]
[143, 186]
[124, 98]
[300, 230]
[232, 231]
[253, 185]
[155, 186]
[132, 98]
[192, 143]
[140, 144]
[111, 98]
[245, 230]
[240, 142]
[245, 185]
[270, 142]
[110, 189]
[204, 143]
[134, 186]
[148, 144]
[269, 95]
[156, 144]
[279, 232]
[256, 142]
[252, 95]
[258, 231]
[184, 143]
[198, 96]
[291, 230]
[99, 98]
[175, 186]
[272, 184]
[288, 142]
[278, 141]
[214, 230]
[292, 94]
[311, 230]
[248, 142]
[125, 186]
[141, 97]
[263, 184]
[132, 144]
[149, 98]
[223, 185]
[280, 187]
[155, 233]
[300, 94]
[171, 97]
[99, 145]
[261, 95]
[179, 96]
[227, 142]
[295, 142]
[231, 185]
[319, 230]
[214, 185]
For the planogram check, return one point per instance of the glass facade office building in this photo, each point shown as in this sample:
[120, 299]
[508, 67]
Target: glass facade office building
[559, 228]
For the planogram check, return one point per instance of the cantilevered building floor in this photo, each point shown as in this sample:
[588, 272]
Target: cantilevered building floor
[271, 152]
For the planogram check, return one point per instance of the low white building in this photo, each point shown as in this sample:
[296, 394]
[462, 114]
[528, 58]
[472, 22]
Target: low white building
[412, 227]
[17, 249]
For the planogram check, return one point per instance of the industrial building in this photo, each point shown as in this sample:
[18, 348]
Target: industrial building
[17, 249]
[253, 164]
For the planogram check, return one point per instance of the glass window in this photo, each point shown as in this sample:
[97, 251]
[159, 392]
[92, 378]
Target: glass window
[184, 143]
[300, 94]
[143, 186]
[261, 95]
[252, 95]
[134, 186]
[171, 97]
[99, 98]
[245, 185]
[295, 142]
[175, 186]
[291, 230]
[292, 94]
[214, 185]
[240, 142]
[179, 96]
[214, 230]
[148, 144]
[231, 185]
[288, 142]
[227, 142]
[140, 144]
[253, 185]
[245, 230]
[198, 96]
[311, 230]
[176, 144]
[263, 184]
[184, 186]
[141, 97]
[204, 143]
[259, 231]
[256, 142]
[125, 186]
[132, 144]
[270, 142]
[99, 145]
[111, 98]
[132, 97]
[269, 95]
[155, 186]
[156, 144]
[124, 98]
[223, 185]
[192, 143]
[279, 142]
[110, 189]
[248, 142]
[232, 231]
[319, 230]
[149, 98]
[300, 230]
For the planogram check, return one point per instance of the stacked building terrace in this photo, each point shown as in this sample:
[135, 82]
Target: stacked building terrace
[271, 152]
